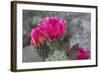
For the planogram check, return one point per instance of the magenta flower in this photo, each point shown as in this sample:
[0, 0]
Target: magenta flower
[82, 54]
[55, 27]
[78, 54]
[38, 38]
[51, 28]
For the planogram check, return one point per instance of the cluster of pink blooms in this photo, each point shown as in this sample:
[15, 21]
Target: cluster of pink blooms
[81, 53]
[51, 28]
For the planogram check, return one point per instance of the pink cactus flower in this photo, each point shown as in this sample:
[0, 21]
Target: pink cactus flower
[55, 27]
[78, 54]
[51, 28]
[38, 38]
[82, 54]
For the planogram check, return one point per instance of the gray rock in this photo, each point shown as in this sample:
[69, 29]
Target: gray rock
[30, 54]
